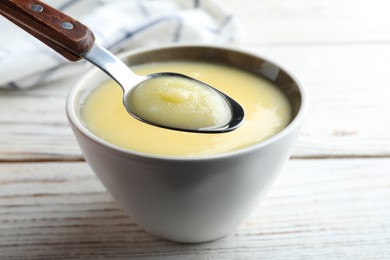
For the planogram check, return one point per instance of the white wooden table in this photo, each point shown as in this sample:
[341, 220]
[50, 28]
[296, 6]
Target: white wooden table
[332, 201]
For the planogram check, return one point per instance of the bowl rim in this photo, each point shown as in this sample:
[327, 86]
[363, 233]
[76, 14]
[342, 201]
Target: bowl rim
[76, 123]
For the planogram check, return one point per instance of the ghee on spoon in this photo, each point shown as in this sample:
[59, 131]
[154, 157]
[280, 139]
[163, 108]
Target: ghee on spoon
[167, 100]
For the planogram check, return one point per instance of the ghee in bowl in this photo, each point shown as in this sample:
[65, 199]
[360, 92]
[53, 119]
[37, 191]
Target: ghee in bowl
[190, 187]
[267, 110]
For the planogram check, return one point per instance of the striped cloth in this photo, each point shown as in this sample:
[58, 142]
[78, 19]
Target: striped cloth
[118, 25]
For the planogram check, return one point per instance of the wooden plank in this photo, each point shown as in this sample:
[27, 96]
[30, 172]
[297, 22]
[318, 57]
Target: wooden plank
[306, 22]
[33, 124]
[349, 94]
[347, 86]
[318, 209]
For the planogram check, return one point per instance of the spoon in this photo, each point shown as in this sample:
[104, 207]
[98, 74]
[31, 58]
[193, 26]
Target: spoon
[75, 41]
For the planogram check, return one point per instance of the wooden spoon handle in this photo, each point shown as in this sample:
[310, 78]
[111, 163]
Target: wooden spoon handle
[60, 32]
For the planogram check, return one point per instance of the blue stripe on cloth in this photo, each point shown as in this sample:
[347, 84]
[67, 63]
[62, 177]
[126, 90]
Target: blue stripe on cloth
[12, 86]
[142, 28]
[225, 22]
[43, 76]
[222, 25]
[143, 8]
[196, 3]
[177, 34]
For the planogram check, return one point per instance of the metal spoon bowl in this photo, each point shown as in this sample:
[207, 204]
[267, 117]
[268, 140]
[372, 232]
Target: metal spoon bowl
[75, 41]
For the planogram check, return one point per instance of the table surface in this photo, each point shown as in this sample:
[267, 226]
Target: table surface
[331, 202]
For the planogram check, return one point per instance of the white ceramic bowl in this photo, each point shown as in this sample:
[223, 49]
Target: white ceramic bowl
[190, 199]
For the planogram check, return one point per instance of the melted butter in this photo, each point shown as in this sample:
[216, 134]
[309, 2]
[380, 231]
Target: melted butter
[267, 110]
